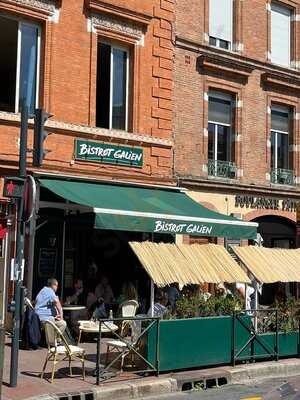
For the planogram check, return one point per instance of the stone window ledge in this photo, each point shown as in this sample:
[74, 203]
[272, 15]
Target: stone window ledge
[95, 133]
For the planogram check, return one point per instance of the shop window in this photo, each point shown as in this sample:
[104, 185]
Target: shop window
[281, 139]
[220, 142]
[221, 23]
[112, 87]
[280, 34]
[19, 49]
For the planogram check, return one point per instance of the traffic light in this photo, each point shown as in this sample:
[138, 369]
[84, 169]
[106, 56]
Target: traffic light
[40, 136]
[13, 187]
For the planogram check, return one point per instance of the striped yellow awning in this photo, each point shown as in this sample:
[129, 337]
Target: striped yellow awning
[270, 265]
[188, 264]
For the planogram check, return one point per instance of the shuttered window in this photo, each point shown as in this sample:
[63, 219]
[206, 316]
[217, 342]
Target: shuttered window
[219, 126]
[220, 23]
[280, 121]
[280, 118]
[219, 108]
[280, 34]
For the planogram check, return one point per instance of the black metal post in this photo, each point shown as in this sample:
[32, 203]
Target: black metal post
[98, 363]
[19, 250]
[2, 344]
[233, 340]
[277, 336]
[157, 347]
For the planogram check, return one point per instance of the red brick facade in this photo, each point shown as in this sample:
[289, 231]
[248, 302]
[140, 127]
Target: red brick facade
[70, 31]
[254, 82]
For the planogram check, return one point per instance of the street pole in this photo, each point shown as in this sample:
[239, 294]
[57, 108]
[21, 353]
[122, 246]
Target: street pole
[19, 250]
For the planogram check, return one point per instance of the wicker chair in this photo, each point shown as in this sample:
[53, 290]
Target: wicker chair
[125, 346]
[59, 350]
[128, 309]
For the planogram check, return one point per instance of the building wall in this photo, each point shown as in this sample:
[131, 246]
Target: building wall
[247, 74]
[70, 31]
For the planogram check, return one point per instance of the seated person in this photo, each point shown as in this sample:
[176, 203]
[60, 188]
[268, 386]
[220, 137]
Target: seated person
[128, 292]
[77, 294]
[160, 305]
[48, 306]
[98, 309]
[173, 294]
[104, 291]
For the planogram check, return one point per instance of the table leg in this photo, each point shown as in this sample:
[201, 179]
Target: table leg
[79, 337]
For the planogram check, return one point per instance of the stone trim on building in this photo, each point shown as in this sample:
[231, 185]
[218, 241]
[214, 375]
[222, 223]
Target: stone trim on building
[47, 7]
[112, 24]
[96, 132]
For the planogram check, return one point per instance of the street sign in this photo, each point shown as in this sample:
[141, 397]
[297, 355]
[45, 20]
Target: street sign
[13, 187]
[87, 150]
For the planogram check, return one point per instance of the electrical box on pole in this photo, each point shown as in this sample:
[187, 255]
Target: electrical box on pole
[40, 135]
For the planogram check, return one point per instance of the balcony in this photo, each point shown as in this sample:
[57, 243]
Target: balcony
[222, 169]
[282, 176]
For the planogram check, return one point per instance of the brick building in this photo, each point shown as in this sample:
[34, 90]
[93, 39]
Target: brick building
[103, 69]
[237, 136]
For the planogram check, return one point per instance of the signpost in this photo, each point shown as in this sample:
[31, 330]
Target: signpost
[107, 153]
[13, 188]
[22, 190]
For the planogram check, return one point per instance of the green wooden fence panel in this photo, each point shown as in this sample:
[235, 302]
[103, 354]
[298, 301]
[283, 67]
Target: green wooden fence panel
[203, 342]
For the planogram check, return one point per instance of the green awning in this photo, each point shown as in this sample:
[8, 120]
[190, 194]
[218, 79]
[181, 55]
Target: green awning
[132, 208]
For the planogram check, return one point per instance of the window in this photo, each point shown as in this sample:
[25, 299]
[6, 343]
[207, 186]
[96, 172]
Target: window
[112, 87]
[220, 145]
[221, 23]
[280, 34]
[219, 126]
[280, 137]
[19, 49]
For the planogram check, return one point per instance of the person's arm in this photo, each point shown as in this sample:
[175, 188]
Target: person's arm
[59, 309]
[241, 290]
[73, 298]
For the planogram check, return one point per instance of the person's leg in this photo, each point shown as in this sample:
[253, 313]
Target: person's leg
[75, 317]
[61, 324]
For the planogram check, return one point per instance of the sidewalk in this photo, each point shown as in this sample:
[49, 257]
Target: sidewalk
[127, 385]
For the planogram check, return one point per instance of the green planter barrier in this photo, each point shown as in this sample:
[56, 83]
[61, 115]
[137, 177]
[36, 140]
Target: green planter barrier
[203, 342]
[288, 343]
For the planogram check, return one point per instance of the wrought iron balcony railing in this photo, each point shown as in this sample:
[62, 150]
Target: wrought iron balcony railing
[282, 176]
[222, 169]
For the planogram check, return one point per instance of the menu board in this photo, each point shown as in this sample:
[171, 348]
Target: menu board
[47, 262]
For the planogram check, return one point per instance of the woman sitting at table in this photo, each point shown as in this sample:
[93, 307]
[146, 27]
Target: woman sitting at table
[104, 291]
[77, 296]
[128, 292]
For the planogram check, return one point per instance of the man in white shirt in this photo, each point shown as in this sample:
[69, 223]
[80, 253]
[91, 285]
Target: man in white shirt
[247, 293]
[48, 306]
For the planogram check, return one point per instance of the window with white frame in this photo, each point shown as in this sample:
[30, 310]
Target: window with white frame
[219, 126]
[280, 34]
[19, 64]
[112, 87]
[280, 137]
[221, 23]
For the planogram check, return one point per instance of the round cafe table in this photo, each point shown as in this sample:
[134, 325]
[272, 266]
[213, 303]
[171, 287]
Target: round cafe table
[93, 327]
[73, 307]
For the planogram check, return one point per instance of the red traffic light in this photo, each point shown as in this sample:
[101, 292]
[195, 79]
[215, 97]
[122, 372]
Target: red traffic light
[13, 187]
